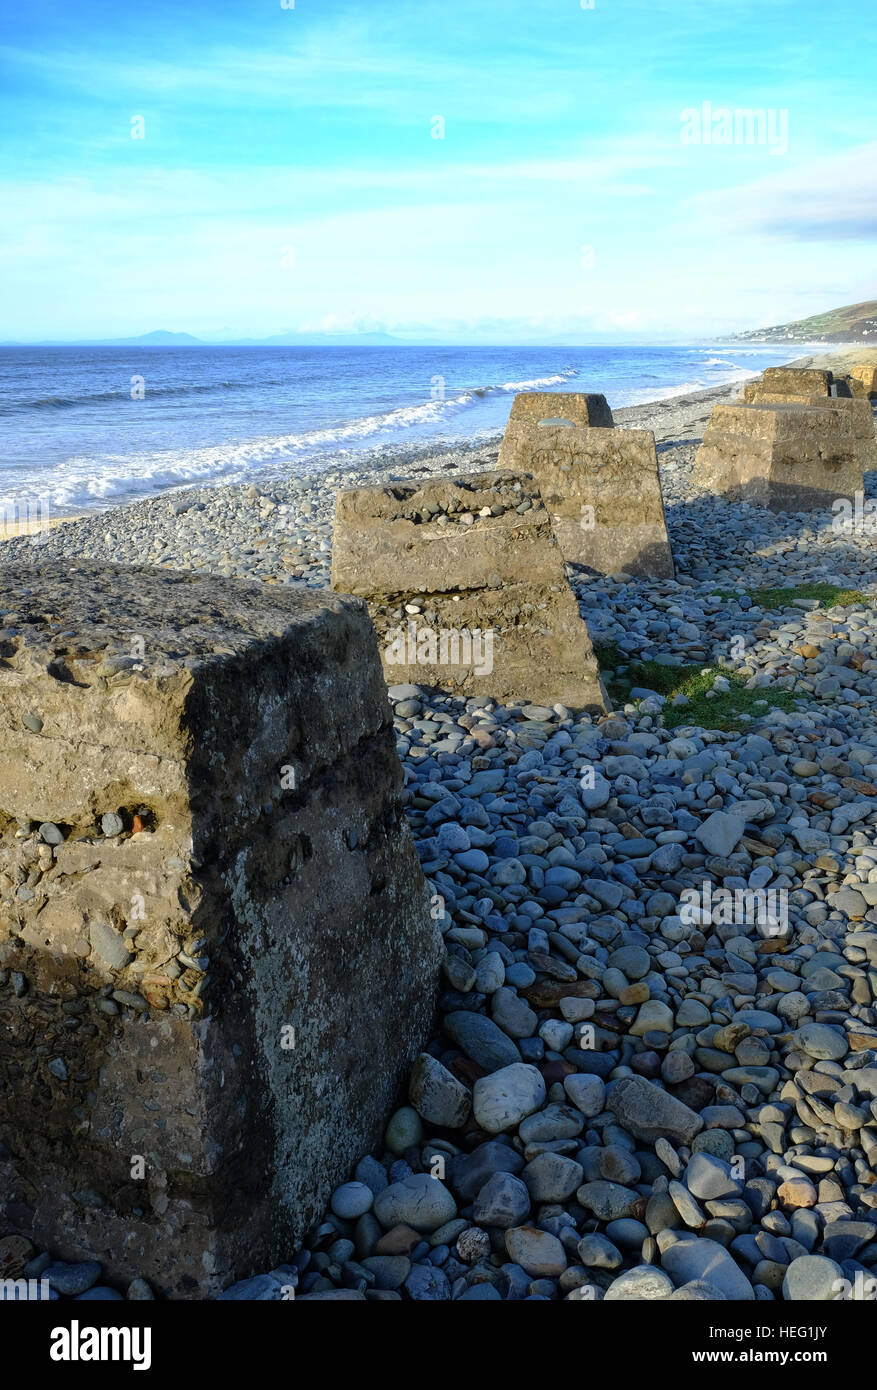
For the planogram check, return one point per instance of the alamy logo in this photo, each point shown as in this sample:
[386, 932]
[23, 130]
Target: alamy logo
[724, 125]
[30, 517]
[75, 1343]
[860, 514]
[862, 1288]
[24, 1290]
[423, 646]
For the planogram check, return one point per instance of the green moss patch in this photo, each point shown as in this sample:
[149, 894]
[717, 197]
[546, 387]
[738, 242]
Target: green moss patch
[829, 596]
[720, 710]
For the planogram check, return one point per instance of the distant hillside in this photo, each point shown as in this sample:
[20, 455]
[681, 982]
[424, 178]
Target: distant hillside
[160, 338]
[855, 323]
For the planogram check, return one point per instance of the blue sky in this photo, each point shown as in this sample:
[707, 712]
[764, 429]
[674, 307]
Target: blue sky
[288, 177]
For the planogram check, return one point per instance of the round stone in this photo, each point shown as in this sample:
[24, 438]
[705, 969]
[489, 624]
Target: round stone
[597, 1252]
[709, 1178]
[404, 1130]
[554, 1122]
[677, 1066]
[653, 1016]
[503, 1201]
[812, 1279]
[352, 1200]
[701, 1258]
[698, 1291]
[428, 1284]
[627, 1233]
[502, 1100]
[645, 1281]
[552, 1177]
[539, 1254]
[617, 1164]
[474, 861]
[822, 1041]
[587, 1093]
[556, 1034]
[473, 1245]
[714, 1141]
[70, 1280]
[797, 1192]
[111, 824]
[420, 1201]
[632, 961]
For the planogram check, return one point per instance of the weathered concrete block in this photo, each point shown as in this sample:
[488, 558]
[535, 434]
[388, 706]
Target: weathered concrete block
[602, 489]
[867, 375]
[788, 457]
[466, 588]
[794, 384]
[538, 410]
[791, 381]
[860, 414]
[432, 536]
[579, 407]
[755, 393]
[216, 953]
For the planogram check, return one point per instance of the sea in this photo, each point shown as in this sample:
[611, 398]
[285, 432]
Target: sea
[87, 428]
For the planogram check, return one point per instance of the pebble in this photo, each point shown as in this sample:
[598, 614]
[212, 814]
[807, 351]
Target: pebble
[644, 1281]
[420, 1201]
[812, 1279]
[436, 1094]
[539, 1253]
[70, 1280]
[501, 1101]
[650, 1113]
[586, 1092]
[352, 1200]
[404, 1130]
[703, 1259]
[503, 1202]
[596, 1251]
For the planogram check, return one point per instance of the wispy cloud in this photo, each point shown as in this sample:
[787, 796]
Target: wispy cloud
[289, 174]
[835, 200]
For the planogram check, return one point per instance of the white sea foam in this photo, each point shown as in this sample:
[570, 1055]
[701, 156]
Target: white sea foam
[537, 381]
[89, 476]
[83, 481]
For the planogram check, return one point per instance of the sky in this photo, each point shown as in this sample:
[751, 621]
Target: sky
[461, 170]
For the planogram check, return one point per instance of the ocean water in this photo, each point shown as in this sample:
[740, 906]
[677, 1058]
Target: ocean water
[83, 429]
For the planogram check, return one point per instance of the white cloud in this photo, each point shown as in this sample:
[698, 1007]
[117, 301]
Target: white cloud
[832, 199]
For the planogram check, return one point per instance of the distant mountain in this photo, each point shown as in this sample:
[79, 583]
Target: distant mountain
[854, 323]
[161, 338]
